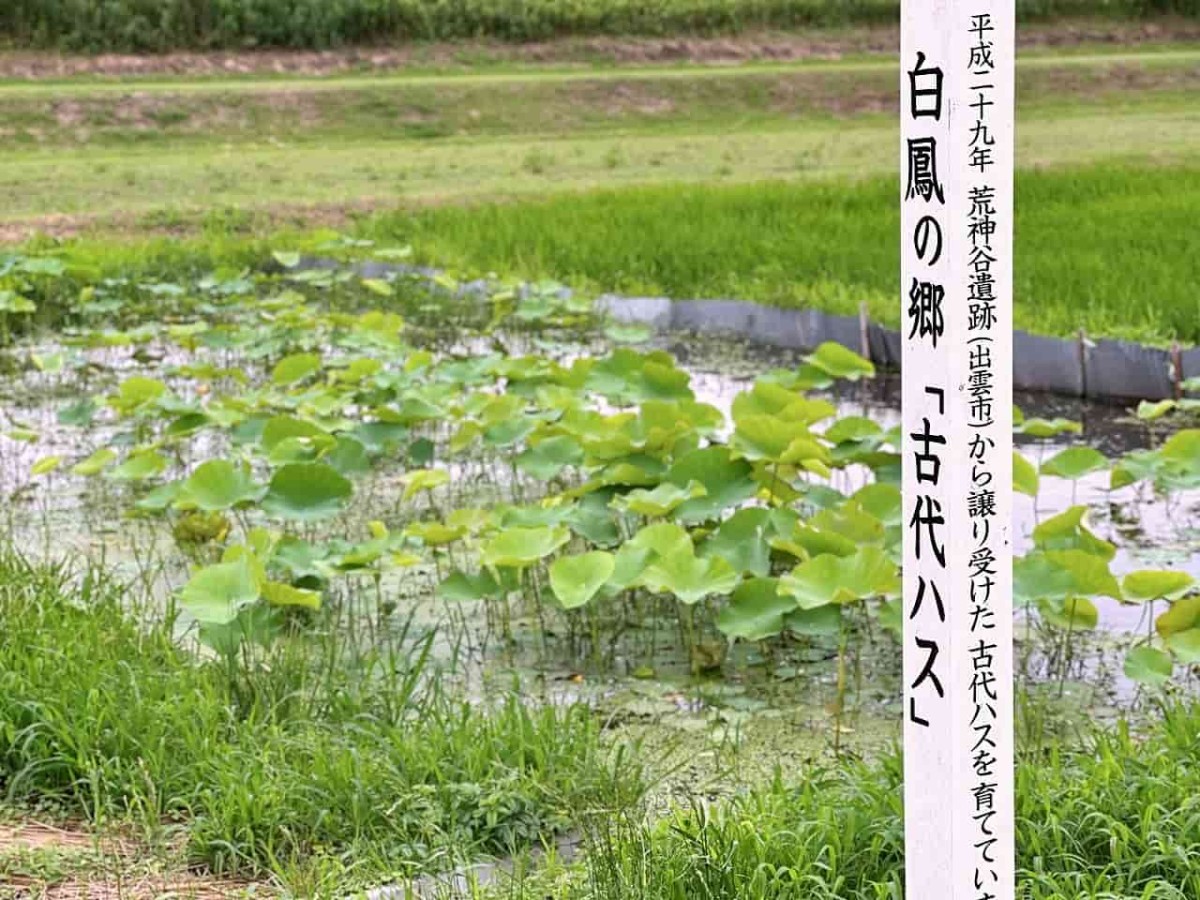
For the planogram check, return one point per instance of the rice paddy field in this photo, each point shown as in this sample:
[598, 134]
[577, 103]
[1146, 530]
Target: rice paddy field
[348, 550]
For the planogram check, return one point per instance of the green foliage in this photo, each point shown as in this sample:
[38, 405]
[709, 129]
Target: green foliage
[1083, 830]
[103, 716]
[833, 244]
[159, 25]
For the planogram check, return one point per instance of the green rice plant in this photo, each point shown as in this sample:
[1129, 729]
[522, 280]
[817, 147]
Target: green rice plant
[1102, 248]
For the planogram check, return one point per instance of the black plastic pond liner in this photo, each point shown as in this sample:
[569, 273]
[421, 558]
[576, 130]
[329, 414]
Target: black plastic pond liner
[1078, 367]
[1102, 370]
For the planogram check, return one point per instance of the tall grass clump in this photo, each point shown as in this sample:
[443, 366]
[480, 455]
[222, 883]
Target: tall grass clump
[157, 25]
[105, 717]
[1113, 817]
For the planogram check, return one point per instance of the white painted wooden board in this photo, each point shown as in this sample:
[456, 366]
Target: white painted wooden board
[956, 159]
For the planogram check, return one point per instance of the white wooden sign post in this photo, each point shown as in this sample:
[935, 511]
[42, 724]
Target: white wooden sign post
[956, 158]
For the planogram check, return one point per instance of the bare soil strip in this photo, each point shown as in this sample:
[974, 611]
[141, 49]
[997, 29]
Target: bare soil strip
[78, 865]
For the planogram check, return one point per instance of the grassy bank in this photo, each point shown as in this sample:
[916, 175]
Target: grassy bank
[1106, 816]
[322, 753]
[1107, 248]
[151, 25]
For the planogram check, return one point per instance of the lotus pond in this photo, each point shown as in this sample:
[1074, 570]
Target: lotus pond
[694, 541]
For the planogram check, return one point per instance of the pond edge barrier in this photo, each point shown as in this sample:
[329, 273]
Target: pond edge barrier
[1102, 369]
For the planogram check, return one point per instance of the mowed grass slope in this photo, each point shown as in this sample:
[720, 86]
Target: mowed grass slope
[770, 182]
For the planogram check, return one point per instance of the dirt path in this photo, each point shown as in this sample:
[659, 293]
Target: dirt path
[54, 863]
[765, 47]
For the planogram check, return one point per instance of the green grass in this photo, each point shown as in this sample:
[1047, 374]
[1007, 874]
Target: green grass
[345, 171]
[156, 25]
[1109, 248]
[319, 754]
[1110, 816]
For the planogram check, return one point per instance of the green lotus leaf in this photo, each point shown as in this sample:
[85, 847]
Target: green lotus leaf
[592, 520]
[769, 438]
[348, 456]
[1149, 584]
[423, 480]
[726, 481]
[256, 624]
[219, 485]
[1025, 475]
[1181, 461]
[461, 587]
[136, 393]
[891, 616]
[742, 541]
[1183, 615]
[833, 579]
[45, 465]
[627, 376]
[295, 368]
[806, 542]
[1185, 645]
[1183, 447]
[840, 362]
[307, 492]
[628, 565]
[379, 287]
[11, 302]
[1149, 412]
[756, 611]
[1148, 665]
[96, 463]
[286, 258]
[186, 424]
[1068, 531]
[1140, 465]
[773, 400]
[1070, 613]
[548, 457]
[689, 577]
[1048, 428]
[78, 414]
[520, 547]
[282, 428]
[139, 466]
[1059, 574]
[851, 522]
[659, 502]
[300, 449]
[435, 534]
[662, 538]
[279, 594]
[1075, 463]
[217, 593]
[854, 430]
[24, 435]
[575, 580]
[880, 501]
[380, 437]
[531, 516]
